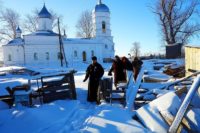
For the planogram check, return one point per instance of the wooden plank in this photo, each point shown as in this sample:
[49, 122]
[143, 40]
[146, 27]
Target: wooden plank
[52, 83]
[55, 88]
[192, 70]
[133, 91]
[5, 97]
[121, 89]
[118, 91]
[72, 86]
[105, 86]
[179, 116]
[180, 80]
[169, 118]
[52, 88]
[181, 91]
[49, 97]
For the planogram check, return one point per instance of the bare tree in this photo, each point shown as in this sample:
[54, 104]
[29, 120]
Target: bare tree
[31, 21]
[135, 50]
[84, 25]
[9, 21]
[176, 19]
[63, 27]
[55, 16]
[1, 3]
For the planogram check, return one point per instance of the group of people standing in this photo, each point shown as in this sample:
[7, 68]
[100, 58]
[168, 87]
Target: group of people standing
[119, 67]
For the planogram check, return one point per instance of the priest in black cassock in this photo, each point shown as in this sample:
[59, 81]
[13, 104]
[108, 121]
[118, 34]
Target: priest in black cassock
[94, 72]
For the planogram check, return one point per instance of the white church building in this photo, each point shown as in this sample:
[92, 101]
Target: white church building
[43, 46]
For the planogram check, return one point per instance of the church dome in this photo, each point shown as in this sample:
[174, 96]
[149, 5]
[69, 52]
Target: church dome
[100, 7]
[18, 30]
[44, 13]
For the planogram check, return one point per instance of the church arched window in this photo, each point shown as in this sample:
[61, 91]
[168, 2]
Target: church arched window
[9, 57]
[35, 56]
[75, 53]
[92, 53]
[106, 46]
[47, 55]
[84, 56]
[104, 26]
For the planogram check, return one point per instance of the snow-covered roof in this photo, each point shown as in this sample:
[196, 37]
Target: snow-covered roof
[80, 40]
[16, 41]
[43, 33]
[44, 13]
[100, 7]
[193, 46]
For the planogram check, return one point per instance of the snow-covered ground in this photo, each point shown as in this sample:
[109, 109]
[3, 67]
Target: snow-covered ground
[68, 116]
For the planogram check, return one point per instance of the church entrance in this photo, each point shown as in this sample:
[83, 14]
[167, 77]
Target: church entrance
[84, 56]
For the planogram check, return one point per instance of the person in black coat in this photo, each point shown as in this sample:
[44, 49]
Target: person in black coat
[118, 70]
[137, 64]
[94, 72]
[127, 65]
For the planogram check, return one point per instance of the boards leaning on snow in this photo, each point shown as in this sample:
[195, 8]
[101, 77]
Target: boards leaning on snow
[132, 91]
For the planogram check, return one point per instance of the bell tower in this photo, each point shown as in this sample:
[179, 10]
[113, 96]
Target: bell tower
[44, 19]
[101, 20]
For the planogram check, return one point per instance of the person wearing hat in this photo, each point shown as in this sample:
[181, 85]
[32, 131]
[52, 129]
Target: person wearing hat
[94, 72]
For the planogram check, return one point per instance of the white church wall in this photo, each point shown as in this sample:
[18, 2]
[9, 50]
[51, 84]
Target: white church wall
[80, 48]
[108, 47]
[41, 53]
[13, 55]
[44, 24]
[101, 14]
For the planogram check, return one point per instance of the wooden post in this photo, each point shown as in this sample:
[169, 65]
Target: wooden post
[72, 86]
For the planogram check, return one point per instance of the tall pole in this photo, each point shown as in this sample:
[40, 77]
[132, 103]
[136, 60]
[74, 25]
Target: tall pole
[60, 43]
[24, 54]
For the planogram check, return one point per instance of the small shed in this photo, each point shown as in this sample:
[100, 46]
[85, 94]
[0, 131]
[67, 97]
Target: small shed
[173, 50]
[192, 55]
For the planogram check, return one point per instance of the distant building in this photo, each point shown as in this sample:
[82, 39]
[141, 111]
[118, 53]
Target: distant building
[192, 62]
[42, 47]
[173, 51]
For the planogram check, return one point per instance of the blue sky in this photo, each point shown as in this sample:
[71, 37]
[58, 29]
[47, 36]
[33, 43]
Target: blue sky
[131, 20]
